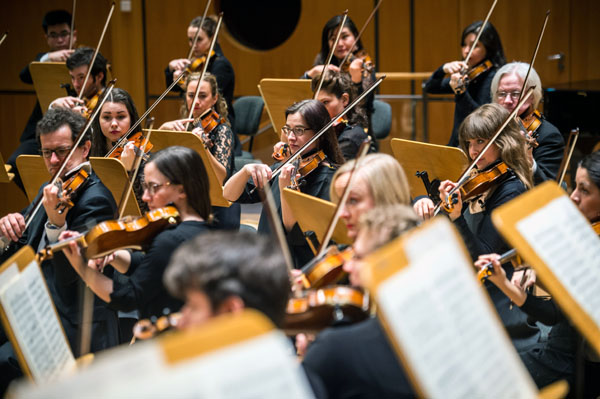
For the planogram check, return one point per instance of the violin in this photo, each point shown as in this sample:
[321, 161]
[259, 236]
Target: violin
[196, 65]
[327, 269]
[488, 269]
[340, 125]
[138, 140]
[472, 74]
[318, 309]
[306, 166]
[368, 66]
[209, 120]
[69, 187]
[530, 124]
[150, 328]
[126, 233]
[282, 153]
[90, 103]
[480, 182]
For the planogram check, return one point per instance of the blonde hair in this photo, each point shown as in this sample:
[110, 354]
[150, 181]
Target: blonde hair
[385, 223]
[483, 123]
[519, 69]
[220, 105]
[384, 176]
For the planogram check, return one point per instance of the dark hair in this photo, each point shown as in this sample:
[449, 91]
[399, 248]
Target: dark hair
[490, 39]
[337, 84]
[57, 117]
[209, 25]
[225, 264]
[182, 165]
[591, 163]
[220, 105]
[316, 116]
[56, 17]
[328, 30]
[83, 56]
[98, 139]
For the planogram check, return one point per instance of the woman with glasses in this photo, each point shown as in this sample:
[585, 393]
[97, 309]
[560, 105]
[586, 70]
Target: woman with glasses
[485, 60]
[174, 176]
[303, 120]
[505, 90]
[210, 110]
[115, 118]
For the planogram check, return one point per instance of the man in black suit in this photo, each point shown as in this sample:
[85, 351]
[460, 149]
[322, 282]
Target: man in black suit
[93, 203]
[57, 31]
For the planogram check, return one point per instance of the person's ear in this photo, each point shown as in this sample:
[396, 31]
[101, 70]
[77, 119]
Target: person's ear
[231, 304]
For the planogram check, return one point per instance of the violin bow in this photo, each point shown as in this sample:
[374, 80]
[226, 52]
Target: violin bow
[4, 36]
[325, 128]
[361, 32]
[465, 176]
[276, 227]
[191, 53]
[137, 162]
[29, 218]
[485, 21]
[537, 47]
[72, 26]
[90, 67]
[125, 137]
[573, 136]
[331, 51]
[210, 50]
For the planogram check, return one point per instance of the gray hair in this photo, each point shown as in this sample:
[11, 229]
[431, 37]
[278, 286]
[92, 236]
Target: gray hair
[519, 69]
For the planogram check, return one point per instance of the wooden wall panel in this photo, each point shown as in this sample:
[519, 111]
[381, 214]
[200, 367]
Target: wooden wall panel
[584, 57]
[14, 113]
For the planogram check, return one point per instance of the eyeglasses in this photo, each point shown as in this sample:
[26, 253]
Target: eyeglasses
[152, 188]
[298, 130]
[54, 35]
[60, 152]
[513, 95]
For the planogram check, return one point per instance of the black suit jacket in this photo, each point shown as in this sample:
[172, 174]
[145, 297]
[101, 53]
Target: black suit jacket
[549, 152]
[93, 204]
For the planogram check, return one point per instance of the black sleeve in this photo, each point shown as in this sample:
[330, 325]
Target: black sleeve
[542, 310]
[549, 153]
[169, 81]
[134, 291]
[489, 240]
[350, 141]
[320, 364]
[438, 83]
[477, 94]
[223, 71]
[25, 74]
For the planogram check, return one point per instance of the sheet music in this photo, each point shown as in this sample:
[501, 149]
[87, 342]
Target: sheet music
[28, 307]
[261, 367]
[445, 326]
[565, 241]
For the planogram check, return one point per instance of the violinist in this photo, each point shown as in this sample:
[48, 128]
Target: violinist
[118, 113]
[303, 120]
[218, 65]
[474, 219]
[336, 93]
[358, 360]
[57, 31]
[175, 175]
[78, 64]
[210, 123]
[485, 60]
[93, 203]
[237, 270]
[506, 89]
[360, 68]
[553, 359]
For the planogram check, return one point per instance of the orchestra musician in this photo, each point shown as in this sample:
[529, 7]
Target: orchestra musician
[218, 65]
[360, 69]
[488, 48]
[554, 358]
[336, 93]
[473, 220]
[303, 120]
[57, 32]
[237, 270]
[505, 90]
[210, 123]
[78, 64]
[358, 360]
[93, 203]
[115, 118]
[175, 175]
